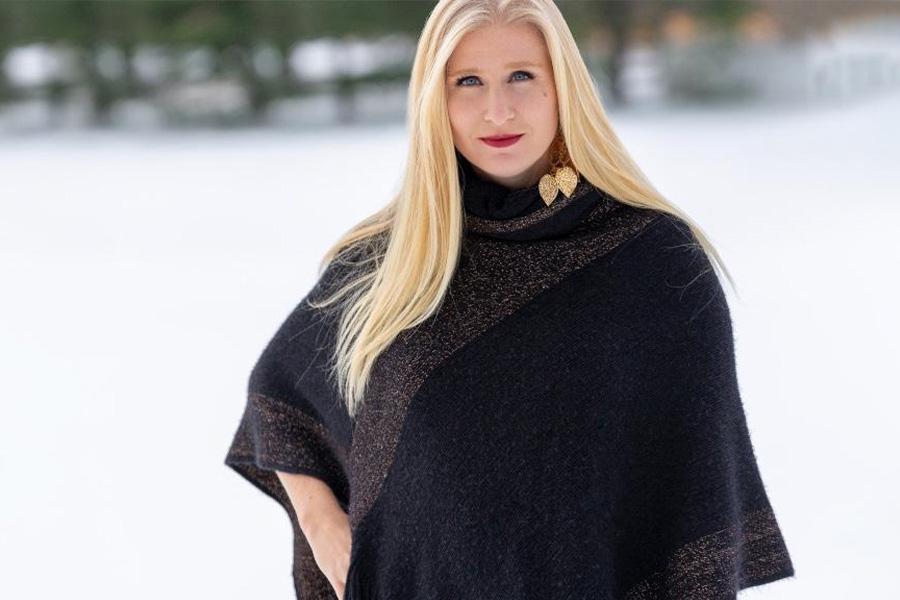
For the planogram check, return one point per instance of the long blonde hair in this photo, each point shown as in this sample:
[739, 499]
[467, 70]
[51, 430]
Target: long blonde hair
[412, 245]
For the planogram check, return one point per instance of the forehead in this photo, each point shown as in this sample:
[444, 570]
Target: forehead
[498, 47]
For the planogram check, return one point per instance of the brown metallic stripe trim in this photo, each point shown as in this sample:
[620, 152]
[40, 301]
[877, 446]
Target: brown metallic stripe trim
[274, 432]
[277, 435]
[752, 551]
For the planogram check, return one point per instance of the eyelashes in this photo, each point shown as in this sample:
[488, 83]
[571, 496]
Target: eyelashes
[459, 81]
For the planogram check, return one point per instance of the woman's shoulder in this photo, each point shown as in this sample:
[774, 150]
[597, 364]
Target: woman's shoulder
[648, 234]
[347, 265]
[306, 332]
[665, 265]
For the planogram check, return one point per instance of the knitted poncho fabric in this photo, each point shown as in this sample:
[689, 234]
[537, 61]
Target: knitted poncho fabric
[567, 426]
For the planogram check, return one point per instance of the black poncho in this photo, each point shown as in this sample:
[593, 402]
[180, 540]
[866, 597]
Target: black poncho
[567, 426]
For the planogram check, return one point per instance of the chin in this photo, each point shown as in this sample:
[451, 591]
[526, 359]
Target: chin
[505, 173]
[504, 165]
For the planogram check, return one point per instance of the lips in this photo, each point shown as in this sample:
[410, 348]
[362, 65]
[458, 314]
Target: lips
[497, 138]
[501, 140]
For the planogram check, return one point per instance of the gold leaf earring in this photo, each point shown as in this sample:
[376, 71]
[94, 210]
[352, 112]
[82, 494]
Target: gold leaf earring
[562, 176]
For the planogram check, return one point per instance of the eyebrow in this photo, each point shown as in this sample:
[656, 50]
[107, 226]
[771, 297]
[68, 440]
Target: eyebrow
[509, 66]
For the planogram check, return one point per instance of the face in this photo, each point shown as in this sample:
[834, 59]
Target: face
[499, 82]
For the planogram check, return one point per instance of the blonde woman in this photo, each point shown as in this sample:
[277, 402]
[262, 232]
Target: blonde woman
[517, 380]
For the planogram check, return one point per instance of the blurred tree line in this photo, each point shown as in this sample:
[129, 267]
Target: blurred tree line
[233, 31]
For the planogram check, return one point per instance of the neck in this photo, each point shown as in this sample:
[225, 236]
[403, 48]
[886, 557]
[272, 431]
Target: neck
[520, 213]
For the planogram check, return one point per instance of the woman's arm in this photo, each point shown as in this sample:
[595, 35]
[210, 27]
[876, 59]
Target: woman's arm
[324, 523]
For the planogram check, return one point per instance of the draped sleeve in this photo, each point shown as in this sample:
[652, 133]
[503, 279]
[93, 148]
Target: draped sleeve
[293, 421]
[699, 523]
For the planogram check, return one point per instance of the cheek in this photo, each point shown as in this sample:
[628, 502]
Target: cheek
[460, 114]
[538, 100]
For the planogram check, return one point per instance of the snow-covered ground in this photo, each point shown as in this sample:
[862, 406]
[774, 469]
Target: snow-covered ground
[143, 273]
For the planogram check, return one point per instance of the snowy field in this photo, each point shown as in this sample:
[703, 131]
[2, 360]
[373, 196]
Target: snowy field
[143, 273]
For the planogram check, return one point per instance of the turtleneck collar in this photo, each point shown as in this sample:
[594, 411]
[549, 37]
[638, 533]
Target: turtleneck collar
[495, 210]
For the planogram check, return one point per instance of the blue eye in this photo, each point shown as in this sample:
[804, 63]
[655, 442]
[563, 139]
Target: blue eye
[459, 82]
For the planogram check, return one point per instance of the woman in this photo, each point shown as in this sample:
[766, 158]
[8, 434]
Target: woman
[517, 380]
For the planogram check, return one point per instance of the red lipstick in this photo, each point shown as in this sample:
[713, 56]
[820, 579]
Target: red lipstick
[501, 141]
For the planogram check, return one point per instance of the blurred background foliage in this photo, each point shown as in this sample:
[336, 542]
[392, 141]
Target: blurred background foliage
[164, 62]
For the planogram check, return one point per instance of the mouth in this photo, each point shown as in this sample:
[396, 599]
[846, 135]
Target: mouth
[501, 141]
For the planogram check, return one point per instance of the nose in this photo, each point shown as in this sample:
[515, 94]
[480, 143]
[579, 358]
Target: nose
[498, 109]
